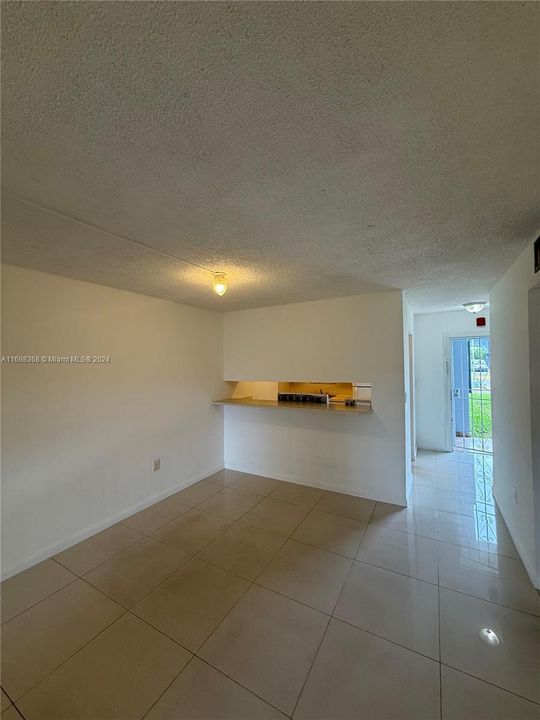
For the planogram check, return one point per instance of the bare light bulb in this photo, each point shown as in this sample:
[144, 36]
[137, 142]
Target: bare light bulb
[220, 283]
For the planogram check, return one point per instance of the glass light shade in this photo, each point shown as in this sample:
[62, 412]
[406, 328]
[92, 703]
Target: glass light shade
[220, 283]
[474, 307]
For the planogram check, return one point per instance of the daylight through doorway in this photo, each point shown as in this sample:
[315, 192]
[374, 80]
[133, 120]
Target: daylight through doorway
[471, 394]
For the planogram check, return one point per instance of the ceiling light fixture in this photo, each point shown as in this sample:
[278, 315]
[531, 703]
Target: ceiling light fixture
[474, 307]
[220, 283]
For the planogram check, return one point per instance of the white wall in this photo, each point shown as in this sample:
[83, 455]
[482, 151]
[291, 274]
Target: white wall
[431, 333]
[512, 428]
[410, 424]
[357, 338]
[534, 362]
[78, 441]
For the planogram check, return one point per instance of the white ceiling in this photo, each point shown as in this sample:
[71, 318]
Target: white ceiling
[308, 149]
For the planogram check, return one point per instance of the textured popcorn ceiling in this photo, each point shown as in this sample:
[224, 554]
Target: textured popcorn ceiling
[309, 150]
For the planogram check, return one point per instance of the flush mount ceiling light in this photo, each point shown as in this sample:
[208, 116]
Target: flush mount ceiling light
[474, 307]
[220, 283]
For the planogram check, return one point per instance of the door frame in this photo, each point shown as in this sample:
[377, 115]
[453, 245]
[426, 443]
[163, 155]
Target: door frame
[412, 397]
[449, 371]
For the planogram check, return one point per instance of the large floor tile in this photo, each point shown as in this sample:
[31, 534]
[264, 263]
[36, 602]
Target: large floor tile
[358, 676]
[311, 576]
[466, 503]
[31, 586]
[243, 550]
[297, 494]
[152, 518]
[488, 576]
[196, 493]
[414, 520]
[425, 478]
[39, 640]
[256, 484]
[398, 608]
[118, 676]
[276, 516]
[451, 467]
[485, 531]
[426, 459]
[401, 552]
[465, 697]
[348, 506]
[456, 483]
[460, 503]
[90, 553]
[514, 664]
[230, 503]
[225, 477]
[331, 532]
[192, 531]
[202, 693]
[423, 496]
[132, 574]
[191, 603]
[267, 643]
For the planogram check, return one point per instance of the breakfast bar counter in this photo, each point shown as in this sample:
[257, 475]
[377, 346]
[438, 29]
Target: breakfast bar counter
[332, 407]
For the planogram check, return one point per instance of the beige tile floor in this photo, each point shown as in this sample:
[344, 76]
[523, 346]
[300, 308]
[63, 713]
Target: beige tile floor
[245, 598]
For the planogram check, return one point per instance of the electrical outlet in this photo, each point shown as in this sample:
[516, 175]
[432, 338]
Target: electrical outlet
[157, 464]
[515, 495]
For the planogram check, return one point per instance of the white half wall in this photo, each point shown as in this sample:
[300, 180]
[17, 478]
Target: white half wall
[79, 440]
[431, 333]
[358, 338]
[512, 426]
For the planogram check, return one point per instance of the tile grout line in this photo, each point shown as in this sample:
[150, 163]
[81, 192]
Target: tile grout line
[323, 549]
[439, 629]
[184, 563]
[169, 685]
[30, 607]
[491, 684]
[244, 687]
[12, 702]
[326, 628]
[311, 666]
[73, 654]
[103, 561]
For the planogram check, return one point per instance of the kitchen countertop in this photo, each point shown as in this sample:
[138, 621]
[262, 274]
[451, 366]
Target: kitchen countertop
[317, 407]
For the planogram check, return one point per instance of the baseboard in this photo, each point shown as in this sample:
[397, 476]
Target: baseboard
[98, 527]
[527, 562]
[401, 501]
